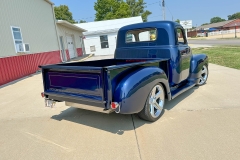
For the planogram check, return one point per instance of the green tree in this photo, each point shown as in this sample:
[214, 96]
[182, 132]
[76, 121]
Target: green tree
[137, 8]
[216, 20]
[114, 9]
[234, 16]
[204, 24]
[62, 13]
[82, 21]
[111, 9]
[178, 21]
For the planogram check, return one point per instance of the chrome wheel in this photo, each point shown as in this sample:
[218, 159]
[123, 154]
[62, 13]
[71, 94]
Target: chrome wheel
[204, 75]
[156, 101]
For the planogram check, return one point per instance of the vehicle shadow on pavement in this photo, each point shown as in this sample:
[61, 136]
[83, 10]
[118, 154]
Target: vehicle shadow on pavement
[169, 105]
[173, 103]
[113, 123]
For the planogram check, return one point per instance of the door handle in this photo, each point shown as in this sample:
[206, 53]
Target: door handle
[183, 52]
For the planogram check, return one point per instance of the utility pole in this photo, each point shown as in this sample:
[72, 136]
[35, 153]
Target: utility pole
[196, 30]
[163, 9]
[235, 30]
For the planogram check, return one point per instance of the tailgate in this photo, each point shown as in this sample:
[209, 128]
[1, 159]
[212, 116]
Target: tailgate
[74, 86]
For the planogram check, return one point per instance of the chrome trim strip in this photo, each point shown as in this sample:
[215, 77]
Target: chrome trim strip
[57, 95]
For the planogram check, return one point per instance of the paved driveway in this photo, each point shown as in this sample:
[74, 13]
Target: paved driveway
[202, 123]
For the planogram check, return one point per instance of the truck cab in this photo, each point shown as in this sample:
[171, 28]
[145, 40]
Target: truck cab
[152, 63]
[170, 43]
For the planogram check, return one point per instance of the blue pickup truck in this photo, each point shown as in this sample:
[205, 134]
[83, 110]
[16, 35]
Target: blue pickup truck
[152, 63]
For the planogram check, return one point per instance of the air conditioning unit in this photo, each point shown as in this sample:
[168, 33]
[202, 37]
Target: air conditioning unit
[23, 47]
[26, 47]
[19, 47]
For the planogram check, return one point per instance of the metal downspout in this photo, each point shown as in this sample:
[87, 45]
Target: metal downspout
[54, 18]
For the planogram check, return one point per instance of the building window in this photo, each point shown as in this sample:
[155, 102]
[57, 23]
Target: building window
[17, 39]
[104, 41]
[141, 35]
[130, 38]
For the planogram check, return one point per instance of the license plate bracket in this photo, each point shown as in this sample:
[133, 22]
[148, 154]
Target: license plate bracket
[49, 103]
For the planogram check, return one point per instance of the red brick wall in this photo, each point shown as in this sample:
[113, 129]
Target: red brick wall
[67, 54]
[15, 67]
[79, 52]
[192, 34]
[234, 27]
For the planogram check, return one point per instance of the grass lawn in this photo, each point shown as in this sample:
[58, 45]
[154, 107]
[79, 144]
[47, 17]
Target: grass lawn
[228, 56]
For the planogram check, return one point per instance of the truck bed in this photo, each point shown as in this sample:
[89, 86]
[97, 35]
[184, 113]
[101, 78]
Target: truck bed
[91, 83]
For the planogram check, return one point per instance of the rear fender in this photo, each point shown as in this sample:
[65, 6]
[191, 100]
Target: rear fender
[132, 92]
[197, 62]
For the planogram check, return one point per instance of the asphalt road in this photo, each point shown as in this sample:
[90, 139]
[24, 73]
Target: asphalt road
[216, 42]
[202, 123]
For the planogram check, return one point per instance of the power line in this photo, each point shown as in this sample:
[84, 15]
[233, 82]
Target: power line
[169, 12]
[155, 16]
[151, 16]
[152, 3]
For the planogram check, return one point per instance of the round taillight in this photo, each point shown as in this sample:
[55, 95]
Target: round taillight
[114, 105]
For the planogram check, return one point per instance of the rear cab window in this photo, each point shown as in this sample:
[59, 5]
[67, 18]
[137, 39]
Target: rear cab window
[141, 35]
[180, 37]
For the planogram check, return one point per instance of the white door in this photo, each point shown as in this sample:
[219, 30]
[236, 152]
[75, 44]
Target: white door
[70, 47]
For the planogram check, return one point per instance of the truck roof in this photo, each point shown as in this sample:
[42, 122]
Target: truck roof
[153, 24]
[166, 33]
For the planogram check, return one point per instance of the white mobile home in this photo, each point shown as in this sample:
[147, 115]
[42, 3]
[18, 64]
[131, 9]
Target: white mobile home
[101, 36]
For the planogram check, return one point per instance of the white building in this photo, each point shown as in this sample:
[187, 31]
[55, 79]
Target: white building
[101, 36]
[30, 36]
[70, 39]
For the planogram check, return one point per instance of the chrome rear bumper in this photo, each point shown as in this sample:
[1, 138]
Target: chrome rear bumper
[88, 107]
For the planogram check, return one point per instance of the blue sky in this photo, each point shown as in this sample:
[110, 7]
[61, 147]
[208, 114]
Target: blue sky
[200, 12]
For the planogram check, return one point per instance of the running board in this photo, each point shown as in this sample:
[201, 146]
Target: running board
[182, 89]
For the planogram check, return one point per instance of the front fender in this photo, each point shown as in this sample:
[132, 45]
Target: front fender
[197, 62]
[132, 92]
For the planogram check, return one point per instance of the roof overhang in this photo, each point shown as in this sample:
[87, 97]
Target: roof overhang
[234, 23]
[101, 32]
[69, 25]
[215, 25]
[49, 2]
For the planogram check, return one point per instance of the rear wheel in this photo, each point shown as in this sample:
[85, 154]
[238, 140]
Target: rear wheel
[153, 108]
[204, 76]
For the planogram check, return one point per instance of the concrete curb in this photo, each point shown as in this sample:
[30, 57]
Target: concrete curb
[199, 45]
[86, 58]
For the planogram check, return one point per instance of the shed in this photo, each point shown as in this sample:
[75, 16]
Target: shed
[70, 39]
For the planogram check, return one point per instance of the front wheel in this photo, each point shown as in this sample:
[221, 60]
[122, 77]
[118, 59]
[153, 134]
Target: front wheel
[204, 76]
[153, 108]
